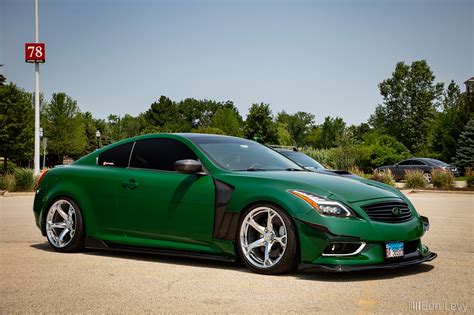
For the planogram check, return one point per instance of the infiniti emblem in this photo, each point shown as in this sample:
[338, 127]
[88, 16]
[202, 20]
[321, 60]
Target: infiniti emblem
[396, 211]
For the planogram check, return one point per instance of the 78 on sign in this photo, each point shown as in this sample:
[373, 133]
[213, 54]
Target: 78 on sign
[35, 53]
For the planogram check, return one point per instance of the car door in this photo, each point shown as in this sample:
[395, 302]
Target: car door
[400, 169]
[102, 183]
[158, 203]
[420, 165]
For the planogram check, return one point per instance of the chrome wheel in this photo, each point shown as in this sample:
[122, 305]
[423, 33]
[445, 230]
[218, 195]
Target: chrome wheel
[427, 177]
[263, 237]
[61, 223]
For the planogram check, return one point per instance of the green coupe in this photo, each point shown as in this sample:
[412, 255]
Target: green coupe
[221, 197]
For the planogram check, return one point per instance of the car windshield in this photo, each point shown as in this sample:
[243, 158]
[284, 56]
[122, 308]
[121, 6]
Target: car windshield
[238, 154]
[303, 160]
[438, 162]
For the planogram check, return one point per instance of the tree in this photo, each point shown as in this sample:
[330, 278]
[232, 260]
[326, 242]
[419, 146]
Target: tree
[259, 125]
[408, 108]
[90, 130]
[329, 134]
[64, 127]
[163, 116]
[284, 137]
[298, 125]
[227, 121]
[465, 147]
[2, 79]
[450, 122]
[16, 125]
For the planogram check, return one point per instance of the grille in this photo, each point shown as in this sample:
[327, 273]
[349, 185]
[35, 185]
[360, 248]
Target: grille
[383, 212]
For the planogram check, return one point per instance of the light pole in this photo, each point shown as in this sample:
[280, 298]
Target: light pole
[37, 96]
[97, 135]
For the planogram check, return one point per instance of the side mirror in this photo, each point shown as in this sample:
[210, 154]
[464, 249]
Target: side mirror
[188, 166]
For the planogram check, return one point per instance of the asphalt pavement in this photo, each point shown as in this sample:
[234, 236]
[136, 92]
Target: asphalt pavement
[35, 279]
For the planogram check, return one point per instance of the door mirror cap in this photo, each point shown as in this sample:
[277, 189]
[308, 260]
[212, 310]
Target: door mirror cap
[188, 166]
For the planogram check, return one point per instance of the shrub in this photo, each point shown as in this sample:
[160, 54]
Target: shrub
[356, 171]
[414, 179]
[10, 166]
[24, 179]
[440, 179]
[470, 181]
[385, 177]
[7, 182]
[323, 156]
[469, 177]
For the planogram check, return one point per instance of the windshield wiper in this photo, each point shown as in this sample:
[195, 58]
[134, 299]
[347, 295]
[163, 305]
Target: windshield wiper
[253, 169]
[292, 169]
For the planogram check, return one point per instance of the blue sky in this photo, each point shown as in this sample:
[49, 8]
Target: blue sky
[323, 57]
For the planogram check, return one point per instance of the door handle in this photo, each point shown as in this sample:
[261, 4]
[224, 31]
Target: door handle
[130, 184]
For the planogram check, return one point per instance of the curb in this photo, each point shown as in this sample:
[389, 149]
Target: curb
[415, 191]
[7, 193]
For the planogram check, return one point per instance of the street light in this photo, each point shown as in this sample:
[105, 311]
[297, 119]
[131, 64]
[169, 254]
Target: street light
[97, 135]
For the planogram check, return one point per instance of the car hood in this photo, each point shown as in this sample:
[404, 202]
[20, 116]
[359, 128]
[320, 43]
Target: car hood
[345, 188]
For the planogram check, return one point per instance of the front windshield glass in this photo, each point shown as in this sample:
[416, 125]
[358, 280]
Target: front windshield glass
[304, 160]
[243, 155]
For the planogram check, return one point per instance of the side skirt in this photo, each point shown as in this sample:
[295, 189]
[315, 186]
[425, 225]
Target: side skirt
[93, 243]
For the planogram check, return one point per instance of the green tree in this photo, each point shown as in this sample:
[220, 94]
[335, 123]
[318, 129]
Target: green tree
[163, 116]
[2, 79]
[259, 125]
[16, 125]
[465, 147]
[226, 120]
[408, 109]
[64, 127]
[450, 122]
[284, 137]
[90, 129]
[329, 134]
[298, 125]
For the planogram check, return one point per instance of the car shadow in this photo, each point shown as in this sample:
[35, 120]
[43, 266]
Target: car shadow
[322, 275]
[156, 258]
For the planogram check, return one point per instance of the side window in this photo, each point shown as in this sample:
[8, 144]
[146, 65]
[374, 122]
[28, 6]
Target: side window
[405, 163]
[159, 154]
[117, 156]
[416, 162]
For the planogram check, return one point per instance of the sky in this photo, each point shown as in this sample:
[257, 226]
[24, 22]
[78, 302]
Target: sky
[322, 57]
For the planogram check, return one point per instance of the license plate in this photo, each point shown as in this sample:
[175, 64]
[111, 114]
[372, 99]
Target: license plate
[394, 249]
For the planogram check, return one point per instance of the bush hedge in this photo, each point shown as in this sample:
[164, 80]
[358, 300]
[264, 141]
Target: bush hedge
[440, 179]
[385, 177]
[24, 179]
[414, 179]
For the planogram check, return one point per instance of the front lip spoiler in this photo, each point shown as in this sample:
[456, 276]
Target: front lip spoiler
[346, 268]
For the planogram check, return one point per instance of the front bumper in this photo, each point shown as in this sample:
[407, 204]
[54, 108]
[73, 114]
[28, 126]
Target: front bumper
[387, 265]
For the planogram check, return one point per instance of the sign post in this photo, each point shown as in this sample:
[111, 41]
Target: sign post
[35, 53]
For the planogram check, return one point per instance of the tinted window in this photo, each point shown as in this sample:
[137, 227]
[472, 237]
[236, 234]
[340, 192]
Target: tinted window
[117, 156]
[438, 162]
[303, 159]
[416, 162]
[404, 163]
[241, 155]
[159, 154]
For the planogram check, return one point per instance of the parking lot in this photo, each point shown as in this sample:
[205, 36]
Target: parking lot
[33, 278]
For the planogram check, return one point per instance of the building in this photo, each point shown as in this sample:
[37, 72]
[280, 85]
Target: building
[469, 86]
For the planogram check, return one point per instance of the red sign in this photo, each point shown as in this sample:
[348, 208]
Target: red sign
[35, 53]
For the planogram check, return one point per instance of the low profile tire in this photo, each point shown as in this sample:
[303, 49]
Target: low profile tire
[64, 225]
[427, 177]
[267, 241]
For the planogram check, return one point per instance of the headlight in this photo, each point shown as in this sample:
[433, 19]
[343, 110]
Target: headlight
[324, 206]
